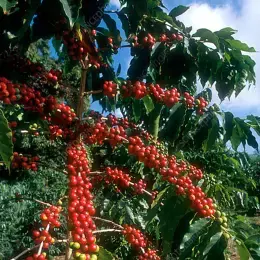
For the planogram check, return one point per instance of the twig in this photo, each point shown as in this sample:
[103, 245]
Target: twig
[107, 230]
[93, 92]
[24, 252]
[32, 248]
[111, 12]
[126, 46]
[43, 203]
[82, 88]
[109, 222]
[145, 191]
[41, 245]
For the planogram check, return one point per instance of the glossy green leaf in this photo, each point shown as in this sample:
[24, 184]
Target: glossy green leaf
[243, 251]
[173, 210]
[179, 10]
[124, 20]
[236, 44]
[196, 229]
[213, 135]
[159, 197]
[7, 4]
[112, 26]
[104, 254]
[254, 122]
[226, 33]
[148, 103]
[228, 126]
[6, 144]
[174, 123]
[71, 10]
[136, 109]
[208, 36]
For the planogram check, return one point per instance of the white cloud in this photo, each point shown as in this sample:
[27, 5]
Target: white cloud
[246, 21]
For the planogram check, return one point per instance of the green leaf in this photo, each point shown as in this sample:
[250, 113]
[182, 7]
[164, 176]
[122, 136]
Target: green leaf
[124, 20]
[103, 254]
[228, 126]
[236, 44]
[174, 123]
[136, 109]
[7, 4]
[179, 10]
[254, 122]
[213, 240]
[6, 144]
[243, 251]
[173, 210]
[159, 197]
[130, 213]
[247, 133]
[190, 239]
[148, 103]
[208, 36]
[213, 134]
[225, 33]
[118, 70]
[71, 10]
[112, 27]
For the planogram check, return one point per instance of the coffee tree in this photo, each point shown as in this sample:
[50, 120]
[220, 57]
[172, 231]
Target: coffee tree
[151, 176]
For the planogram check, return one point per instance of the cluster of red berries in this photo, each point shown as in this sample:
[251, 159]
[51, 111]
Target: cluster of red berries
[134, 237]
[139, 90]
[173, 172]
[116, 135]
[167, 97]
[202, 103]
[24, 162]
[149, 155]
[195, 173]
[75, 47]
[53, 76]
[21, 94]
[55, 131]
[95, 134]
[41, 256]
[157, 92]
[171, 97]
[117, 176]
[170, 38]
[149, 41]
[63, 114]
[43, 236]
[150, 254]
[50, 217]
[49, 220]
[189, 100]
[81, 206]
[110, 89]
[139, 187]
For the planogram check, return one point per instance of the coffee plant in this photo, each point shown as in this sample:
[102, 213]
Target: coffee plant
[151, 176]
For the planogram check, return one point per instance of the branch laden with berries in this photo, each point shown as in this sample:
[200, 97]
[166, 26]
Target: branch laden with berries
[125, 186]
